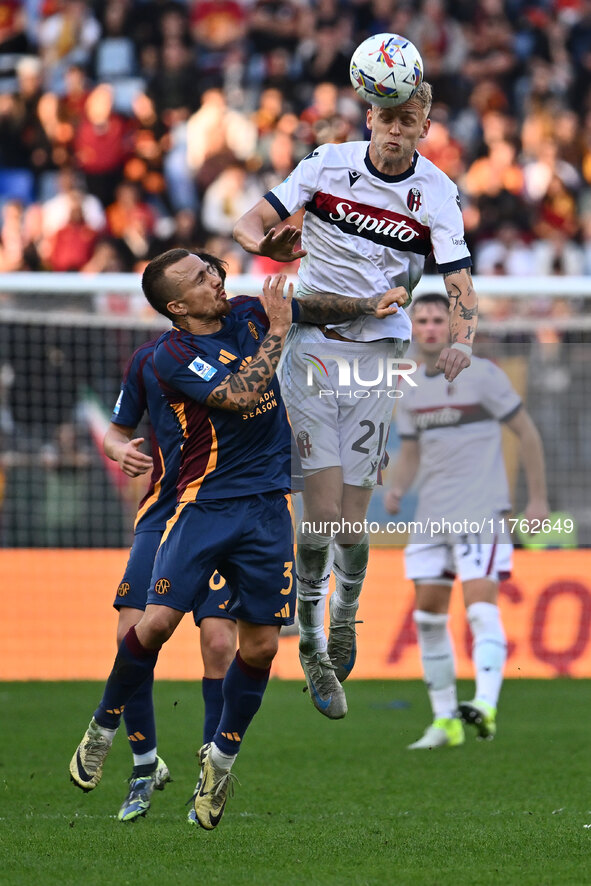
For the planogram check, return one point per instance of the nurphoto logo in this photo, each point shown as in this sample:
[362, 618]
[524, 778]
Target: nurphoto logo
[350, 380]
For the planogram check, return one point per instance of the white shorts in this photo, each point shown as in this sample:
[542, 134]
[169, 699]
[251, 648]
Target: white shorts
[340, 397]
[441, 563]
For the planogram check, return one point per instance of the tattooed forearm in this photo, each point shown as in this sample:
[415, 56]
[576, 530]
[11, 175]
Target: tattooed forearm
[333, 308]
[467, 313]
[463, 306]
[453, 292]
[239, 391]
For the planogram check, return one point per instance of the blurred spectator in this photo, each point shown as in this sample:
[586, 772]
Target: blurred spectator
[556, 254]
[327, 55]
[12, 238]
[109, 256]
[51, 139]
[75, 93]
[56, 210]
[131, 220]
[228, 197]
[444, 48]
[73, 245]
[13, 36]
[102, 143]
[176, 86]
[322, 120]
[150, 142]
[217, 136]
[67, 38]
[507, 253]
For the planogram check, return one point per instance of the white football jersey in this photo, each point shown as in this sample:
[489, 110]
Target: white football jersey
[457, 424]
[366, 232]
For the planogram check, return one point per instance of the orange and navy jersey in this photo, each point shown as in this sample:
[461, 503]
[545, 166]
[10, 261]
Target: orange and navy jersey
[140, 393]
[225, 454]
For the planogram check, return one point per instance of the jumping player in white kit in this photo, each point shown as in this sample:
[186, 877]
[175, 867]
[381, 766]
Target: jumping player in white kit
[373, 213]
[451, 442]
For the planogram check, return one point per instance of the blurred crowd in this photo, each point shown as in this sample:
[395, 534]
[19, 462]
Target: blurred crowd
[128, 126]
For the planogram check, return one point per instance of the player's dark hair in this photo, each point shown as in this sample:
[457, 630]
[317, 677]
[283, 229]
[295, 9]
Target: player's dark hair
[430, 298]
[215, 262]
[158, 289]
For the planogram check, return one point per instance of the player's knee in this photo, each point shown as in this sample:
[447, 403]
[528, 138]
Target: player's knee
[127, 618]
[323, 519]
[156, 626]
[219, 647]
[261, 652]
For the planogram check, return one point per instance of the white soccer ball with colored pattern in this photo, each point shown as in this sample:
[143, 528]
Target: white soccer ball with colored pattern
[386, 70]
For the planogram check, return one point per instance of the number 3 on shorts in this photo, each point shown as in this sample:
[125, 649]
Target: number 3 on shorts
[288, 573]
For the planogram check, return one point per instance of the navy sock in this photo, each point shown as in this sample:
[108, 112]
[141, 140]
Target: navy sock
[213, 697]
[243, 687]
[146, 769]
[140, 722]
[133, 664]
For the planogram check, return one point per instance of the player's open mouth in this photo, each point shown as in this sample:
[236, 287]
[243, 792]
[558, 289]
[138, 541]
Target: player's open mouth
[222, 295]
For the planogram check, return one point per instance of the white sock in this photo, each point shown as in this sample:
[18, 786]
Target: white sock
[107, 733]
[350, 568]
[437, 656]
[489, 651]
[221, 760]
[313, 567]
[144, 759]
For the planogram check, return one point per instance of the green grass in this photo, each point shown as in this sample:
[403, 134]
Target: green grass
[319, 802]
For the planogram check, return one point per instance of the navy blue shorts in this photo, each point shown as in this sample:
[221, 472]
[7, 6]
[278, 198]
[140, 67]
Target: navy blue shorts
[248, 540]
[133, 588]
[134, 585]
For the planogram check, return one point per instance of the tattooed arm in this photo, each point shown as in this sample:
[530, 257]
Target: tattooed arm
[325, 308]
[240, 391]
[463, 319]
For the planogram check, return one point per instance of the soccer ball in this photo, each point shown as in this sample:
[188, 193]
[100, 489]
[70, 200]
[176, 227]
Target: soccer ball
[386, 70]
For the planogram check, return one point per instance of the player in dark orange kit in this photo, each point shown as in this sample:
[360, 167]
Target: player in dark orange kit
[216, 367]
[141, 393]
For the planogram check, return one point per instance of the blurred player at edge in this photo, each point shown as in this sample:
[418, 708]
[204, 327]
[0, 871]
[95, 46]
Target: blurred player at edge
[373, 213]
[140, 392]
[216, 368]
[451, 437]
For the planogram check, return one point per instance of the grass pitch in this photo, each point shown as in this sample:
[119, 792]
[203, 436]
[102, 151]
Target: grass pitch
[321, 803]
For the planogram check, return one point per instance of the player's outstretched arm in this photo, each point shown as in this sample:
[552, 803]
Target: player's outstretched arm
[332, 308]
[121, 446]
[532, 459]
[240, 391]
[463, 319]
[402, 474]
[256, 232]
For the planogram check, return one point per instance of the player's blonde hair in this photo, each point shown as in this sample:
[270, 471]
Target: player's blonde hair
[423, 96]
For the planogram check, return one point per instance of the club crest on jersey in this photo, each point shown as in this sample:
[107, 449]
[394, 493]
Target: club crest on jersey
[413, 199]
[253, 330]
[203, 369]
[353, 176]
[304, 444]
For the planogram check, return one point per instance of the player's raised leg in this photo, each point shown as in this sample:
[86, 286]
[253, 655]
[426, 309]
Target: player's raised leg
[134, 663]
[314, 558]
[350, 568]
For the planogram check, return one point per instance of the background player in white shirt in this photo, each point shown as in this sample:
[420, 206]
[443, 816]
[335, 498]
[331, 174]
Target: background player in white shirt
[373, 212]
[451, 438]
